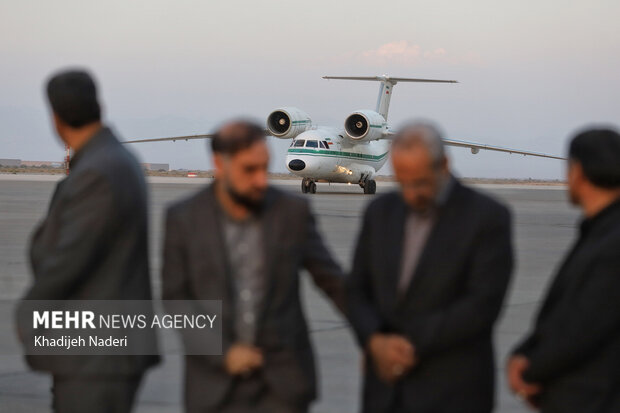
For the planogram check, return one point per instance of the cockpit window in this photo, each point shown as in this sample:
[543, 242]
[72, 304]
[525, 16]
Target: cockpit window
[324, 145]
[299, 143]
[312, 144]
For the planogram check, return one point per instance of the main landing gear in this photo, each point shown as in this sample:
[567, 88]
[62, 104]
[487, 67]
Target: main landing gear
[369, 186]
[308, 186]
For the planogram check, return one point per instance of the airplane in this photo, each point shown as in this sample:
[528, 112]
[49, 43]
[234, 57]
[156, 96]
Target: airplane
[352, 154]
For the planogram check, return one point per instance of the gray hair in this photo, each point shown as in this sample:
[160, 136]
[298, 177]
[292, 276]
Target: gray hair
[421, 132]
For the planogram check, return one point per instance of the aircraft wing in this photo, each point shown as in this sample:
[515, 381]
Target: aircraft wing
[179, 138]
[174, 138]
[476, 147]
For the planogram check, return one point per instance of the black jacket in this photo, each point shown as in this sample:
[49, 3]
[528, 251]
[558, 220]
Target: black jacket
[449, 309]
[195, 267]
[574, 348]
[93, 245]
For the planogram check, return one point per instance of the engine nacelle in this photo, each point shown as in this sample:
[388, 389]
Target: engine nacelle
[286, 123]
[365, 125]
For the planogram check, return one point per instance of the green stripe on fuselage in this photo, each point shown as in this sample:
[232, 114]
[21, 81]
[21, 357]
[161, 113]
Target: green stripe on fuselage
[339, 154]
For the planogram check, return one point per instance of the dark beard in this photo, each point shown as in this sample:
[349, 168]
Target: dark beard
[253, 205]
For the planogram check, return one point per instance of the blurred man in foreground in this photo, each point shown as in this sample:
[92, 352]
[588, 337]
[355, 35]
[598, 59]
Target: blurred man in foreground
[430, 271]
[570, 362]
[92, 245]
[243, 242]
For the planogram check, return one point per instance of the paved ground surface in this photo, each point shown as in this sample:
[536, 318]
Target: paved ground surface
[544, 227]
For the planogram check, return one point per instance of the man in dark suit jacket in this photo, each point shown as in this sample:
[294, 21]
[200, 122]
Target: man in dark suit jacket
[243, 242]
[92, 245]
[430, 272]
[570, 362]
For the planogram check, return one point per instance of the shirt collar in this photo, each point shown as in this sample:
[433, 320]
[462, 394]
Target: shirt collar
[588, 223]
[93, 142]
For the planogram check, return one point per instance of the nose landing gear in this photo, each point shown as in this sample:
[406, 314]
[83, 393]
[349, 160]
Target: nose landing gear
[308, 186]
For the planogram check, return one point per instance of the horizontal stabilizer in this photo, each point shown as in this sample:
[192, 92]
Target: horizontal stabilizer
[386, 86]
[390, 79]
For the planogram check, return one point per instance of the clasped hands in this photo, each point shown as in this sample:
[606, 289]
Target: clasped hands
[243, 359]
[528, 392]
[392, 355]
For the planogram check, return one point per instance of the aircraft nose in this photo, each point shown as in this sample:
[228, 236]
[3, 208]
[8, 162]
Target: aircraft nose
[296, 165]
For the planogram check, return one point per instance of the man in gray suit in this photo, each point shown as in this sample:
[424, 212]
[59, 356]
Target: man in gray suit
[429, 275]
[92, 245]
[244, 242]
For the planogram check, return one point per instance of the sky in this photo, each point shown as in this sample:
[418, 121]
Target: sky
[531, 73]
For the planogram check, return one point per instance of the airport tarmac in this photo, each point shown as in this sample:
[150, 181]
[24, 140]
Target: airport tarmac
[544, 226]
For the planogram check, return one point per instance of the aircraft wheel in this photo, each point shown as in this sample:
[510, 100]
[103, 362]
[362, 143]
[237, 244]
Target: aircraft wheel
[370, 187]
[312, 187]
[304, 186]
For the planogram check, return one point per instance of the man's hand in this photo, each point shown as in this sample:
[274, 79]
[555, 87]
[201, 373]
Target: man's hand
[517, 364]
[393, 356]
[242, 359]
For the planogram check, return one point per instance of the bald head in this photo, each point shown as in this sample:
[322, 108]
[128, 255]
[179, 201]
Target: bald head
[422, 134]
[420, 164]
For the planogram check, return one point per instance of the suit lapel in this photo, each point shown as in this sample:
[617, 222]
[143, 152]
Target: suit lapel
[270, 228]
[393, 244]
[211, 243]
[211, 251]
[57, 193]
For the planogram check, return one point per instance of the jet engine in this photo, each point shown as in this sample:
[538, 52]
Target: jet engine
[365, 125]
[288, 122]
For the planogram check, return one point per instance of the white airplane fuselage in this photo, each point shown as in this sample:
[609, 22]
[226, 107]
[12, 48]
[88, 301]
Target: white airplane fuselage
[324, 154]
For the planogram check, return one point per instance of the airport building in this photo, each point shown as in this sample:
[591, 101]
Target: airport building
[155, 166]
[51, 164]
[10, 162]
